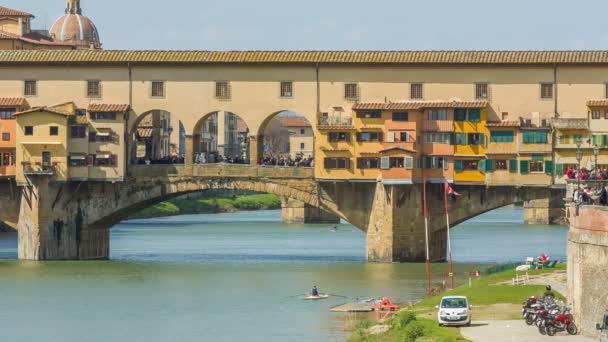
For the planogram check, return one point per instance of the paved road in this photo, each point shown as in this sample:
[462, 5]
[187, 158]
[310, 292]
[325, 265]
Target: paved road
[513, 331]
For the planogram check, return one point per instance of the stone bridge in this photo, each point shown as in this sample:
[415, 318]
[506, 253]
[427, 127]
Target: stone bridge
[68, 221]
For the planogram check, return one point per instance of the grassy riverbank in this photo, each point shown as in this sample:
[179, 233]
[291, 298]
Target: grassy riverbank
[485, 294]
[210, 205]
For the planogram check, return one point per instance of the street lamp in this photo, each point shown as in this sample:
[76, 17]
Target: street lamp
[596, 151]
[579, 157]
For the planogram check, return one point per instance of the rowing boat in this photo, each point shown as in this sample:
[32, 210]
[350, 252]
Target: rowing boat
[321, 296]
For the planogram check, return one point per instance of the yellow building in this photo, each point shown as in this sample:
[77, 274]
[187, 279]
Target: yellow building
[469, 145]
[42, 142]
[502, 163]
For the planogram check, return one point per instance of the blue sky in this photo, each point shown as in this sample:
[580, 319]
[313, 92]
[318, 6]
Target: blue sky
[339, 24]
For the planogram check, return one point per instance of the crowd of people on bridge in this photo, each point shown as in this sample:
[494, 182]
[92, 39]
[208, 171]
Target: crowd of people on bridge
[585, 174]
[216, 158]
[287, 161]
[162, 161]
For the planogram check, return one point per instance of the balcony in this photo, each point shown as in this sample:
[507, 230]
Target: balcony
[438, 125]
[335, 122]
[38, 169]
[575, 124]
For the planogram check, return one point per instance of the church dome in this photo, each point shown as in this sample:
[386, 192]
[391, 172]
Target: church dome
[75, 28]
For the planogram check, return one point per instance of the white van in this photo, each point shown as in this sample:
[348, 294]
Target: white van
[454, 310]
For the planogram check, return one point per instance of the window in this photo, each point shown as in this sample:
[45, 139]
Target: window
[501, 136]
[30, 88]
[438, 138]
[476, 139]
[351, 91]
[302, 146]
[77, 160]
[53, 130]
[470, 165]
[500, 165]
[103, 116]
[222, 90]
[93, 88]
[369, 136]
[546, 90]
[606, 114]
[606, 90]
[369, 114]
[7, 113]
[505, 116]
[438, 114]
[435, 163]
[6, 159]
[397, 162]
[368, 163]
[29, 130]
[302, 131]
[416, 91]
[474, 115]
[6, 136]
[286, 89]
[460, 114]
[536, 166]
[400, 116]
[460, 139]
[337, 163]
[158, 89]
[535, 137]
[78, 131]
[105, 160]
[404, 136]
[339, 136]
[481, 91]
[595, 115]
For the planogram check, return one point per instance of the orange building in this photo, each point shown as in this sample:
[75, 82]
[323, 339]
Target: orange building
[8, 144]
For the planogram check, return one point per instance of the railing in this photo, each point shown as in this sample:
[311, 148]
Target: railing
[221, 170]
[335, 121]
[38, 169]
[570, 123]
[574, 184]
[438, 125]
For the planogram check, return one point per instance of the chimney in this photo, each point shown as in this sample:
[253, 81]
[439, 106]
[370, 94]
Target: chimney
[20, 32]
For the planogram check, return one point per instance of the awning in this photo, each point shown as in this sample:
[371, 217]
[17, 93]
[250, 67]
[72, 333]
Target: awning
[104, 133]
[41, 143]
[103, 156]
[397, 181]
[78, 157]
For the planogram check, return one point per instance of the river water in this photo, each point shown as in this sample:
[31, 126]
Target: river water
[229, 277]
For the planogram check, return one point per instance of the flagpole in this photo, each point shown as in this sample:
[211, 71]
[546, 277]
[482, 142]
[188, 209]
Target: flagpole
[426, 234]
[447, 219]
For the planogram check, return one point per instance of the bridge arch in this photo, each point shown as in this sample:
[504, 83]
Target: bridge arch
[156, 134]
[220, 133]
[285, 133]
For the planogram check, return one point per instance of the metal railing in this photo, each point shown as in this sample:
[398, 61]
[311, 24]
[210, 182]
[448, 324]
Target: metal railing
[38, 169]
[335, 121]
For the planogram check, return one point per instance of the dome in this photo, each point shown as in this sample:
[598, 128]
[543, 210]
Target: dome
[75, 28]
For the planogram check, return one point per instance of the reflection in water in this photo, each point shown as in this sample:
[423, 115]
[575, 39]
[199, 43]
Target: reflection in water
[230, 277]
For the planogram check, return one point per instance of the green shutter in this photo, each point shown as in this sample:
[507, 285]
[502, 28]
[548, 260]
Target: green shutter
[489, 165]
[549, 167]
[452, 139]
[559, 169]
[481, 165]
[537, 157]
[513, 165]
[460, 114]
[542, 137]
[526, 138]
[474, 115]
[524, 166]
[409, 163]
[458, 165]
[385, 163]
[482, 139]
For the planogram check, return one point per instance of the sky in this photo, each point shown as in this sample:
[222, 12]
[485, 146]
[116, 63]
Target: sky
[338, 24]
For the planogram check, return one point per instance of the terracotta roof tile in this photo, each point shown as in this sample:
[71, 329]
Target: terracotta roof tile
[418, 105]
[598, 103]
[397, 148]
[53, 110]
[9, 12]
[294, 121]
[12, 102]
[33, 38]
[144, 132]
[503, 124]
[308, 57]
[105, 107]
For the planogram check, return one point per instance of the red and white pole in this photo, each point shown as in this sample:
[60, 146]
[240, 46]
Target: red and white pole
[447, 219]
[426, 234]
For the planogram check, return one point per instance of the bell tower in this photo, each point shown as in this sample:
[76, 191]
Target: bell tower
[73, 7]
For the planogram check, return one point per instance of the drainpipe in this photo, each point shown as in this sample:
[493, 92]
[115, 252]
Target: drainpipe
[127, 131]
[553, 132]
[318, 116]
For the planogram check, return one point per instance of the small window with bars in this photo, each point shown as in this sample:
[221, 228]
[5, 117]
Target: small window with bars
[158, 89]
[30, 88]
[93, 89]
[416, 91]
[286, 89]
[546, 90]
[481, 91]
[222, 90]
[351, 91]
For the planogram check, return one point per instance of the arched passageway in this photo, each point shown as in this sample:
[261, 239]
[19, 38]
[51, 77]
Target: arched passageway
[157, 138]
[221, 137]
[286, 139]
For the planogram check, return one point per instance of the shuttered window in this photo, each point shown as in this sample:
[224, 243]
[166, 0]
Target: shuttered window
[336, 163]
[501, 136]
[548, 167]
[409, 163]
[513, 165]
[524, 166]
[489, 165]
[385, 163]
[535, 137]
[559, 169]
[458, 165]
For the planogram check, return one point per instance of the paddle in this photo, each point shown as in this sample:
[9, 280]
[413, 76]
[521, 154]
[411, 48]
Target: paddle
[335, 295]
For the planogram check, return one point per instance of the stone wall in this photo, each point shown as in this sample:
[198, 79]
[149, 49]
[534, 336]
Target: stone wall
[10, 200]
[298, 212]
[547, 210]
[588, 266]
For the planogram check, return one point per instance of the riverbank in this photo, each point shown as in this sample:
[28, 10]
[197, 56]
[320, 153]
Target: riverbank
[210, 205]
[492, 297]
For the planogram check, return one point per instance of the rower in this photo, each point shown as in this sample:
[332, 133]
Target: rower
[314, 292]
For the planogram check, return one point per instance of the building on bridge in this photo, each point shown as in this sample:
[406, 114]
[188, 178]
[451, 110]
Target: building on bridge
[8, 134]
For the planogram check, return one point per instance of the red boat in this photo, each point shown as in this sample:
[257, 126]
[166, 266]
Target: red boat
[385, 304]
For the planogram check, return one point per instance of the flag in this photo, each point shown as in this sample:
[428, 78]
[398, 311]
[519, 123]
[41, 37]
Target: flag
[450, 191]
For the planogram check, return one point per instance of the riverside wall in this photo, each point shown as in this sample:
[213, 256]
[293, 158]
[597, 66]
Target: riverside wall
[588, 266]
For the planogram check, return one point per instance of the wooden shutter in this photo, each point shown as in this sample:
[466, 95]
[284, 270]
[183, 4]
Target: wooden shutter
[482, 139]
[385, 163]
[92, 136]
[489, 165]
[458, 165]
[513, 165]
[549, 167]
[434, 162]
[326, 163]
[481, 166]
[559, 169]
[446, 163]
[347, 163]
[524, 166]
[390, 137]
[409, 163]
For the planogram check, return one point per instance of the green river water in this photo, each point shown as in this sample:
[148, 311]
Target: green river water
[229, 277]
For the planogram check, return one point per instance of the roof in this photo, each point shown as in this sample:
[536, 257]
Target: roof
[12, 102]
[417, 105]
[52, 110]
[33, 38]
[308, 57]
[9, 12]
[503, 124]
[106, 107]
[398, 148]
[294, 121]
[598, 103]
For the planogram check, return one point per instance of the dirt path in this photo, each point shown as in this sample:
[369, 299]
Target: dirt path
[513, 331]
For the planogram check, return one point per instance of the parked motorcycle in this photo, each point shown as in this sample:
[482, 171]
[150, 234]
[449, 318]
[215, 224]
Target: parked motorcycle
[562, 320]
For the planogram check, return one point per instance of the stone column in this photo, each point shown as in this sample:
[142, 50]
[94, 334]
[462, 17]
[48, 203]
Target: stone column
[548, 210]
[298, 212]
[190, 150]
[256, 149]
[221, 132]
